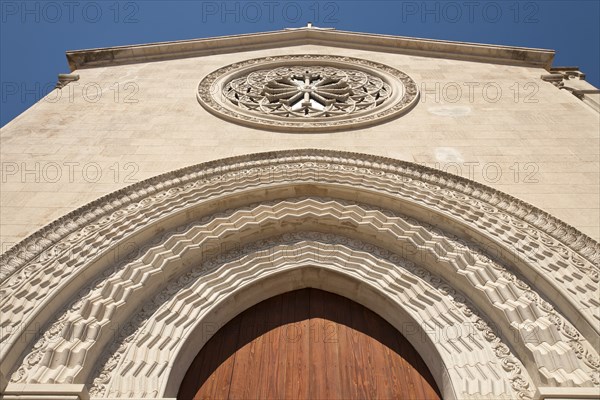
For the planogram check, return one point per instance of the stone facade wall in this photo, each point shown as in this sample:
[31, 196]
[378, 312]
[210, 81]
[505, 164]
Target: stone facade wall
[73, 147]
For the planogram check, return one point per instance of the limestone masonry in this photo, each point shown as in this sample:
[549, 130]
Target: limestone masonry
[440, 184]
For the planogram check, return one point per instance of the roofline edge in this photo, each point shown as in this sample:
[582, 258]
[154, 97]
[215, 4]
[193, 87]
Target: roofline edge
[101, 57]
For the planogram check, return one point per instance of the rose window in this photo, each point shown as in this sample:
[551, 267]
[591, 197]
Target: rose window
[307, 92]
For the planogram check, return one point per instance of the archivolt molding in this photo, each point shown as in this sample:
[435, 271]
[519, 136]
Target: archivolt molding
[93, 231]
[276, 265]
[535, 329]
[467, 200]
[40, 273]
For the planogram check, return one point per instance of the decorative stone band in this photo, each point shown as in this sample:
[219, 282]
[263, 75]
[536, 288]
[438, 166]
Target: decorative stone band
[308, 93]
[537, 326]
[292, 261]
[42, 272]
[536, 223]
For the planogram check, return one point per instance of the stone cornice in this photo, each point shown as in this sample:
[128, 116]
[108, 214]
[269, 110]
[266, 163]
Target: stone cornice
[109, 56]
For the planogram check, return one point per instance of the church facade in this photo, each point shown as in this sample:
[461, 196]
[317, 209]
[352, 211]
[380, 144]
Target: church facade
[307, 213]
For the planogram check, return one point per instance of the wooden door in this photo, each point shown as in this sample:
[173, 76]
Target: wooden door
[308, 344]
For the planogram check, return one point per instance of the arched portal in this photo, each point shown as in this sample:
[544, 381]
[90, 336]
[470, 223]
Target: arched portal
[308, 343]
[498, 298]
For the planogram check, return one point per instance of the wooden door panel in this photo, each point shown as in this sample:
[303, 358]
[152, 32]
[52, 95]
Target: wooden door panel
[308, 344]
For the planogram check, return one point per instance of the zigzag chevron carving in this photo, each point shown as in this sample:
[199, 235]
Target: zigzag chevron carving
[256, 261]
[117, 251]
[504, 297]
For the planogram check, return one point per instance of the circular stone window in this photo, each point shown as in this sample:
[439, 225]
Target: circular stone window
[307, 93]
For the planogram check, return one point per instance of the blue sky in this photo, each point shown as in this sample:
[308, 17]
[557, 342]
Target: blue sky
[36, 34]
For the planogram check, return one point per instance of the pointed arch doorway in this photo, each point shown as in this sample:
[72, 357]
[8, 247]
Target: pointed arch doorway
[308, 344]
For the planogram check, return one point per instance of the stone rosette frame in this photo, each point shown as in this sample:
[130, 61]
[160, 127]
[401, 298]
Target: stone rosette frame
[403, 98]
[115, 299]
